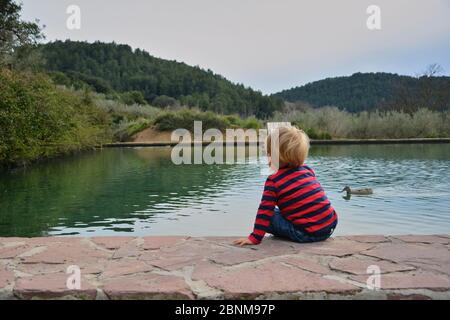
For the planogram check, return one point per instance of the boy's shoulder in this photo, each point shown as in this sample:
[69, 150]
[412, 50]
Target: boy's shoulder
[281, 173]
[286, 170]
[307, 167]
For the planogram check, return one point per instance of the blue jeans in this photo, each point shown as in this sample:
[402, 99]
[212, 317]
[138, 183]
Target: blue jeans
[280, 227]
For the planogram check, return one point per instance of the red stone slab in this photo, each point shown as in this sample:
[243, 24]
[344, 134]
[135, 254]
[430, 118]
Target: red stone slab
[359, 266]
[311, 265]
[129, 249]
[235, 256]
[368, 238]
[338, 247]
[125, 266]
[411, 252]
[75, 252]
[271, 278]
[6, 277]
[52, 286]
[423, 239]
[435, 268]
[111, 243]
[149, 286]
[44, 241]
[154, 243]
[96, 267]
[12, 242]
[187, 253]
[166, 267]
[170, 263]
[12, 252]
[270, 246]
[410, 281]
[203, 269]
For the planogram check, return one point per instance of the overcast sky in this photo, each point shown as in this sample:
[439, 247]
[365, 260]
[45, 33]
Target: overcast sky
[269, 45]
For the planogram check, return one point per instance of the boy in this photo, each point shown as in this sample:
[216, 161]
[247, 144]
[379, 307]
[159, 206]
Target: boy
[293, 205]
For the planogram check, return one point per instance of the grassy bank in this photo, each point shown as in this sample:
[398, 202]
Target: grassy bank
[330, 122]
[184, 118]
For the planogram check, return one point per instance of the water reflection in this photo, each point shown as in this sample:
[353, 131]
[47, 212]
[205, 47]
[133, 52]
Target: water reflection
[140, 192]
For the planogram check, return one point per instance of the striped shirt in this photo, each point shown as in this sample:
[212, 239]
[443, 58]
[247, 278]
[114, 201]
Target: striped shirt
[300, 198]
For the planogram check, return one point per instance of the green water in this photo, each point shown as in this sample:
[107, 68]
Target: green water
[138, 191]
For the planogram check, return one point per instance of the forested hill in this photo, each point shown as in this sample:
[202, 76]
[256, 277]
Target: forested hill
[110, 68]
[365, 91]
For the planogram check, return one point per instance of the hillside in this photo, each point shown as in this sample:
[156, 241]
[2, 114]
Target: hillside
[109, 68]
[365, 91]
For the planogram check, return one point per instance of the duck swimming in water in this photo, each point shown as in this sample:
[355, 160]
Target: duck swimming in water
[357, 192]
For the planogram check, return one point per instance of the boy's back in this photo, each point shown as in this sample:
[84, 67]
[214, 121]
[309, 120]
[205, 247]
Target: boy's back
[293, 204]
[300, 198]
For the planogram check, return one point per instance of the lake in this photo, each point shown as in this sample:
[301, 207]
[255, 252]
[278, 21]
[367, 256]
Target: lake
[138, 191]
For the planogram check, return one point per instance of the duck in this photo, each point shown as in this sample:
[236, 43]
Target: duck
[358, 192]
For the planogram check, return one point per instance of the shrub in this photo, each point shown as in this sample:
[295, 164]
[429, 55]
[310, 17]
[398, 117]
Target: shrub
[38, 120]
[165, 101]
[313, 134]
[127, 129]
[234, 120]
[184, 118]
[251, 123]
[122, 111]
[327, 122]
[132, 98]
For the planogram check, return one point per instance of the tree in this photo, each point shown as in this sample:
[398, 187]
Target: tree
[433, 91]
[15, 33]
[123, 70]
[432, 70]
[165, 101]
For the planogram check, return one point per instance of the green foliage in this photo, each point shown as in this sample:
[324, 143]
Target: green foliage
[38, 120]
[119, 110]
[251, 123]
[313, 134]
[185, 118]
[370, 91]
[105, 67]
[165, 101]
[127, 129]
[234, 120]
[15, 33]
[133, 97]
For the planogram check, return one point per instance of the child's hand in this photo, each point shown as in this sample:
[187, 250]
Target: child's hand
[243, 242]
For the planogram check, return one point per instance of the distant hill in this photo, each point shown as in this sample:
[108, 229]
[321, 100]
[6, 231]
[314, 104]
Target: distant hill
[110, 68]
[365, 91]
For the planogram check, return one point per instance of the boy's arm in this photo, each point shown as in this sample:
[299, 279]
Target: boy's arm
[265, 212]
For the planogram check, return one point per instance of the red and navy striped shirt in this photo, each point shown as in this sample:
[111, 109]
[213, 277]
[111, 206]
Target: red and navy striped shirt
[300, 198]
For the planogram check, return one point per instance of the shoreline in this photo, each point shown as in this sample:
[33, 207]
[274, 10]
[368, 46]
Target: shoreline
[313, 142]
[181, 267]
[166, 143]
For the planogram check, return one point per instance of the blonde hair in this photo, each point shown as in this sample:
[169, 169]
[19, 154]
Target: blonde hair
[293, 146]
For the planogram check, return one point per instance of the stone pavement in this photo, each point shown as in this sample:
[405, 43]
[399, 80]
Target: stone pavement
[412, 267]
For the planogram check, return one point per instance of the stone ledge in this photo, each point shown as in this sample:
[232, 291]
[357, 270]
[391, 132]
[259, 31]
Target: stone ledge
[411, 266]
